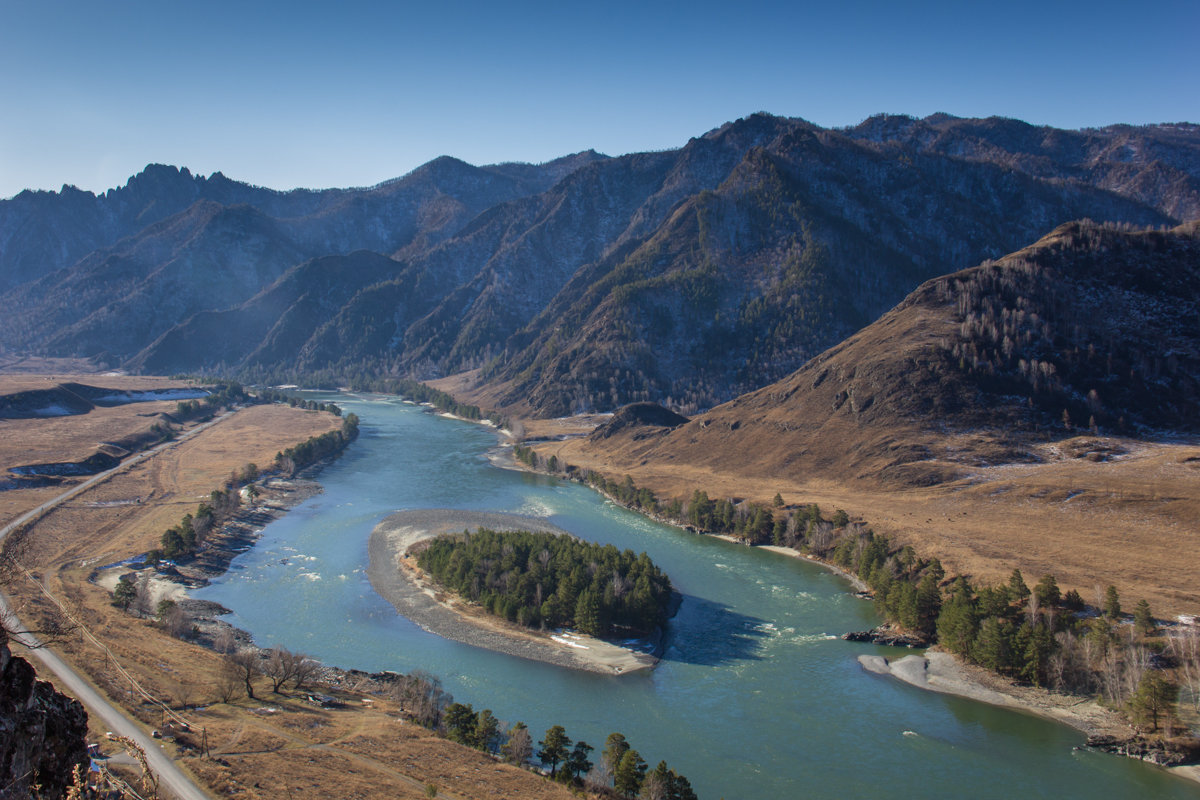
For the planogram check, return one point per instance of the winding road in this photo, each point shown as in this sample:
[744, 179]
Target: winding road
[170, 776]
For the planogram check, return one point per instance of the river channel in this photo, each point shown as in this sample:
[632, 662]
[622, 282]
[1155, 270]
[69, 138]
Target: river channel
[755, 697]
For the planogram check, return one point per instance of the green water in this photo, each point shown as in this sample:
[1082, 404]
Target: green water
[756, 697]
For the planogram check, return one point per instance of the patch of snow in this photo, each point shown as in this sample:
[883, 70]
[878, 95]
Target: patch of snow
[53, 411]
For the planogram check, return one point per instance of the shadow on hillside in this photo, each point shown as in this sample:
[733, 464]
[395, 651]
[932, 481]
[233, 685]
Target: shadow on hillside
[711, 634]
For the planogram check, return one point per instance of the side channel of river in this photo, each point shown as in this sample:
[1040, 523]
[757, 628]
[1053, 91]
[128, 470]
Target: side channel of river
[756, 697]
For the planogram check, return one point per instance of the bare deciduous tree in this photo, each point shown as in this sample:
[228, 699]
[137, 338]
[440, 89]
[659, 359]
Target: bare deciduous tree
[247, 665]
[518, 749]
[421, 696]
[304, 670]
[279, 666]
[225, 642]
[1184, 645]
[228, 683]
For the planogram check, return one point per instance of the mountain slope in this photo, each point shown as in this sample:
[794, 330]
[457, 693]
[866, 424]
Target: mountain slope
[1093, 327]
[685, 276]
[806, 240]
[216, 253]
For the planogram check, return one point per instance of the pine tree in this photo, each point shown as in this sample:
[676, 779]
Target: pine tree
[1038, 645]
[958, 622]
[992, 646]
[1112, 603]
[1153, 699]
[631, 770]
[1073, 601]
[615, 747]
[1047, 592]
[554, 748]
[1143, 620]
[577, 764]
[487, 730]
[125, 592]
[929, 604]
[1017, 590]
[460, 721]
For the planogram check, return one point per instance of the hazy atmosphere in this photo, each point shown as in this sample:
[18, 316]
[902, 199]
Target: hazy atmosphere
[292, 94]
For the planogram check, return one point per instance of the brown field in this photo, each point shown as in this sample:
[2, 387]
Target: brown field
[51, 439]
[1132, 522]
[279, 745]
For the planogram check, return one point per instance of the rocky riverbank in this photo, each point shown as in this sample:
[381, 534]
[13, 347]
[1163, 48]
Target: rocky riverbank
[434, 610]
[886, 635]
[171, 581]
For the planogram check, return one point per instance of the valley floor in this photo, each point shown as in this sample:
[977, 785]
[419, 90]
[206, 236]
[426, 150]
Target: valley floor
[1133, 521]
[276, 745]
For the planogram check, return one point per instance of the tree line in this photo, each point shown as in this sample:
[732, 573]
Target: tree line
[1040, 635]
[546, 580]
[223, 504]
[315, 448]
[620, 769]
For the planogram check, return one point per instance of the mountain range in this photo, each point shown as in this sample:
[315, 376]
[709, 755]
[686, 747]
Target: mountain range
[686, 277]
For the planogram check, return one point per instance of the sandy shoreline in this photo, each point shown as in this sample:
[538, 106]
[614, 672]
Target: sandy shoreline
[434, 612]
[941, 672]
[855, 581]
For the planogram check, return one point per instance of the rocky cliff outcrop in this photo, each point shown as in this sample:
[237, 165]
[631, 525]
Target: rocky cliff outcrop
[43, 733]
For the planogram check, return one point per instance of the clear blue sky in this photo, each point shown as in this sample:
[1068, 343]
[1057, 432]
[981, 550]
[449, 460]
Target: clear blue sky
[287, 94]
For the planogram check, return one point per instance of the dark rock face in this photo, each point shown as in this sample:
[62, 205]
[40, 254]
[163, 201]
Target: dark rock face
[43, 734]
[886, 636]
[1164, 754]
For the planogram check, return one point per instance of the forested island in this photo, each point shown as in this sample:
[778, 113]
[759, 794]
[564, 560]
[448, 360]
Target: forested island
[546, 580]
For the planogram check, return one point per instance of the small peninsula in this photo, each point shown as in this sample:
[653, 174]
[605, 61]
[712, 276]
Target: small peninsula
[395, 575]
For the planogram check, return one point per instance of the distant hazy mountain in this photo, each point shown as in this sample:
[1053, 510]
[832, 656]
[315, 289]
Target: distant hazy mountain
[686, 276]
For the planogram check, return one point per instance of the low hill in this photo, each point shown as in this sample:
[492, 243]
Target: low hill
[636, 416]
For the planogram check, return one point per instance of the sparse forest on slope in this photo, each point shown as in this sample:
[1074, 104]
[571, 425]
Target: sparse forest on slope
[684, 277]
[1094, 327]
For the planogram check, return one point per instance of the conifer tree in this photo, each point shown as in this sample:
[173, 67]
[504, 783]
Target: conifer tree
[1112, 603]
[554, 748]
[1017, 590]
[1143, 620]
[1047, 592]
[614, 747]
[630, 772]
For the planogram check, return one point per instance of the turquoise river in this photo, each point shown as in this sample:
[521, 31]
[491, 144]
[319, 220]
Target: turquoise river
[756, 696]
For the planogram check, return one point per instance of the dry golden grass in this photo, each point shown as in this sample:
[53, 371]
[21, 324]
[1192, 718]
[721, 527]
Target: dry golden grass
[1133, 522]
[127, 513]
[296, 750]
[58, 439]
